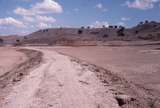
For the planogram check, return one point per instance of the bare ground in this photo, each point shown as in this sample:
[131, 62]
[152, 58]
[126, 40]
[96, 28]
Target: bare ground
[8, 56]
[92, 77]
[136, 66]
[18, 70]
[59, 83]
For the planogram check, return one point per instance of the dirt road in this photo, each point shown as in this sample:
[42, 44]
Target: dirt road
[59, 83]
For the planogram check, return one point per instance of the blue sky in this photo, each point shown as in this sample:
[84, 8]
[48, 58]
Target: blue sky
[26, 16]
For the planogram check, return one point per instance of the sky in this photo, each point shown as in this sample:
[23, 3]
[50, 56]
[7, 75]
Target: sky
[26, 16]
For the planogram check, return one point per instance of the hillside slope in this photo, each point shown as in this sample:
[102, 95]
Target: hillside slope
[72, 36]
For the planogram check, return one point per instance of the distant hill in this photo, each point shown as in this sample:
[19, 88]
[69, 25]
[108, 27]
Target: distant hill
[147, 31]
[11, 39]
[85, 36]
[70, 35]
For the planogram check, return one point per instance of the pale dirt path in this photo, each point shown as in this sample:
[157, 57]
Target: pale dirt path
[59, 83]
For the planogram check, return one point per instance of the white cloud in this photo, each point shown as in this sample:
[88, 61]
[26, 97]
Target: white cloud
[47, 6]
[39, 15]
[39, 22]
[24, 12]
[125, 19]
[100, 6]
[46, 19]
[43, 26]
[141, 4]
[9, 21]
[28, 19]
[99, 24]
[44, 7]
[39, 18]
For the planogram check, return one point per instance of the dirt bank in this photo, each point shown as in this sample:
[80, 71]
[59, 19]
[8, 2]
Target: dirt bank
[9, 59]
[127, 94]
[10, 78]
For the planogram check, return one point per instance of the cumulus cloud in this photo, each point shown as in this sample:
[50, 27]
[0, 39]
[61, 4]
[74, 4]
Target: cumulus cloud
[43, 25]
[48, 6]
[100, 6]
[39, 15]
[28, 19]
[98, 24]
[141, 4]
[44, 7]
[9, 21]
[39, 18]
[23, 11]
[39, 22]
[46, 19]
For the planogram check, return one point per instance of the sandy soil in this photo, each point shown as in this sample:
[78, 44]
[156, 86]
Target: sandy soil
[138, 65]
[94, 77]
[8, 56]
[59, 83]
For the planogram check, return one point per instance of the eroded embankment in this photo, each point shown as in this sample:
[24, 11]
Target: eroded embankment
[34, 58]
[127, 94]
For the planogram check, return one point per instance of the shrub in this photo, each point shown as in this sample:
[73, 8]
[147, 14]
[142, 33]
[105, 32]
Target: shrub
[82, 27]
[141, 23]
[120, 32]
[46, 30]
[110, 26]
[1, 40]
[115, 26]
[18, 43]
[154, 25]
[146, 22]
[105, 35]
[80, 31]
[136, 32]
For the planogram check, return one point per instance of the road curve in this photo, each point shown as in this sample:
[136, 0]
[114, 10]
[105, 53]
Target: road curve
[59, 83]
